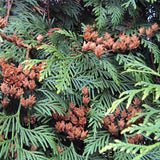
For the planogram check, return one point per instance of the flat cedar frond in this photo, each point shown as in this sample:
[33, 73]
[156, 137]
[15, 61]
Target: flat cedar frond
[5, 146]
[25, 154]
[94, 144]
[128, 60]
[96, 119]
[144, 129]
[101, 14]
[121, 155]
[46, 107]
[70, 153]
[132, 2]
[69, 34]
[63, 78]
[130, 148]
[154, 49]
[116, 12]
[35, 136]
[146, 88]
[38, 135]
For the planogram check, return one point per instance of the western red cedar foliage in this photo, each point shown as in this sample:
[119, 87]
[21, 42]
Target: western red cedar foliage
[79, 79]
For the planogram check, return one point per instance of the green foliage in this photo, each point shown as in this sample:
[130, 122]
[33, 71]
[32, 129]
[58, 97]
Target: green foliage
[146, 89]
[149, 126]
[105, 10]
[95, 144]
[133, 148]
[70, 153]
[100, 12]
[116, 12]
[130, 2]
[153, 48]
[22, 137]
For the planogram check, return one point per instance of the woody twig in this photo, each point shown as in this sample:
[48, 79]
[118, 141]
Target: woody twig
[4, 21]
[14, 39]
[9, 5]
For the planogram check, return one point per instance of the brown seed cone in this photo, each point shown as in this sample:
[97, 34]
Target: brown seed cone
[40, 38]
[155, 27]
[85, 91]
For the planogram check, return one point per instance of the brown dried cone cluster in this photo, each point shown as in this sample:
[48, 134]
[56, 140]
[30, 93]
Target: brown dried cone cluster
[135, 139]
[107, 44]
[16, 80]
[31, 119]
[14, 39]
[60, 149]
[18, 41]
[40, 38]
[116, 122]
[85, 98]
[149, 32]
[74, 122]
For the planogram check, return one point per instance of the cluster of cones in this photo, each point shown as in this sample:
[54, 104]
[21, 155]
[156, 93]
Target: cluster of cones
[16, 80]
[74, 121]
[106, 44]
[116, 122]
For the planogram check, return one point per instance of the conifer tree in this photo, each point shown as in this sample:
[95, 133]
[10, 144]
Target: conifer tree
[79, 79]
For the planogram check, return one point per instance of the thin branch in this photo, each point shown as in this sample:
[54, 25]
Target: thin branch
[4, 21]
[9, 5]
[14, 39]
[40, 10]
[27, 55]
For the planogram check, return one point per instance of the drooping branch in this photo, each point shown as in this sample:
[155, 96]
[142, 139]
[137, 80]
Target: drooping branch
[4, 21]
[14, 39]
[9, 5]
